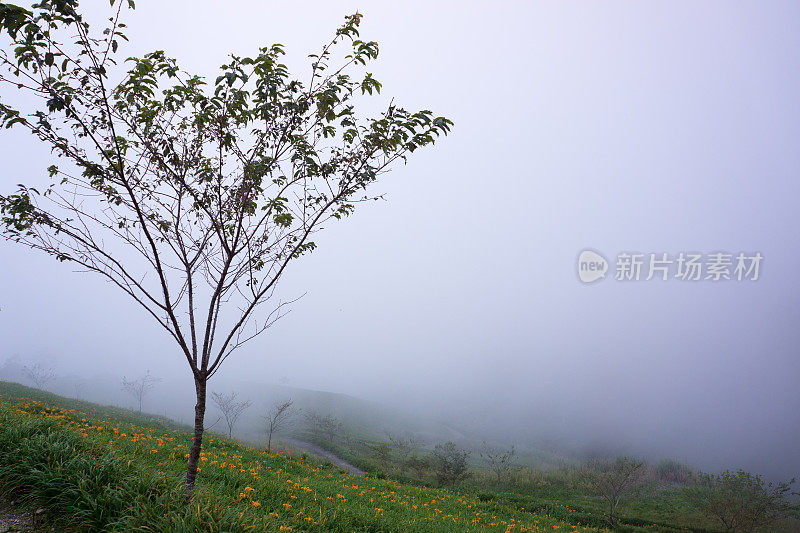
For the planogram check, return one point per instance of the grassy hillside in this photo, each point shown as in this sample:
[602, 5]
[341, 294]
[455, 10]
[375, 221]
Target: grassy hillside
[102, 468]
[362, 420]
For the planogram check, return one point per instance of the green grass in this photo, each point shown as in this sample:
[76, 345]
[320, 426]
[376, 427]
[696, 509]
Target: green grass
[663, 502]
[101, 468]
[97, 468]
[556, 492]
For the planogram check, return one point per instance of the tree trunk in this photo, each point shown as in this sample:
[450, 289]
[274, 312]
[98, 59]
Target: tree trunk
[612, 517]
[197, 441]
[269, 442]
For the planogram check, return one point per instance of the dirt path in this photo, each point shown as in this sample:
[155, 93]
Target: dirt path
[322, 452]
[15, 518]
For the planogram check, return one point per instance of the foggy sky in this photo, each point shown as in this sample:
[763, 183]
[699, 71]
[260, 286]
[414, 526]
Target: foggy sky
[626, 126]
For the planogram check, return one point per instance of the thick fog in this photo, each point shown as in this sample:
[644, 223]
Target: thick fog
[623, 127]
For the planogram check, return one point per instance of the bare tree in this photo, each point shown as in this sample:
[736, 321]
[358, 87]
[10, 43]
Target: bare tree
[278, 418]
[324, 426]
[612, 480]
[139, 387]
[191, 197]
[231, 408]
[331, 427]
[499, 461]
[313, 421]
[38, 374]
[404, 445]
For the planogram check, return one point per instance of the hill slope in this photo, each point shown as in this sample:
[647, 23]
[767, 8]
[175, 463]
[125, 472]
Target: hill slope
[105, 469]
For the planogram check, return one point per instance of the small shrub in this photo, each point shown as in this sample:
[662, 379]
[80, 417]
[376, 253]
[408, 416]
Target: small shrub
[742, 501]
[672, 471]
[381, 453]
[450, 463]
[612, 480]
[485, 496]
[419, 465]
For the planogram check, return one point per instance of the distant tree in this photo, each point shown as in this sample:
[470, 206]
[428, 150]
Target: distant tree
[450, 463]
[404, 446]
[382, 453]
[230, 407]
[38, 374]
[327, 427]
[499, 461]
[672, 471]
[312, 418]
[331, 427]
[79, 387]
[742, 501]
[612, 480]
[419, 464]
[138, 388]
[278, 418]
[190, 196]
